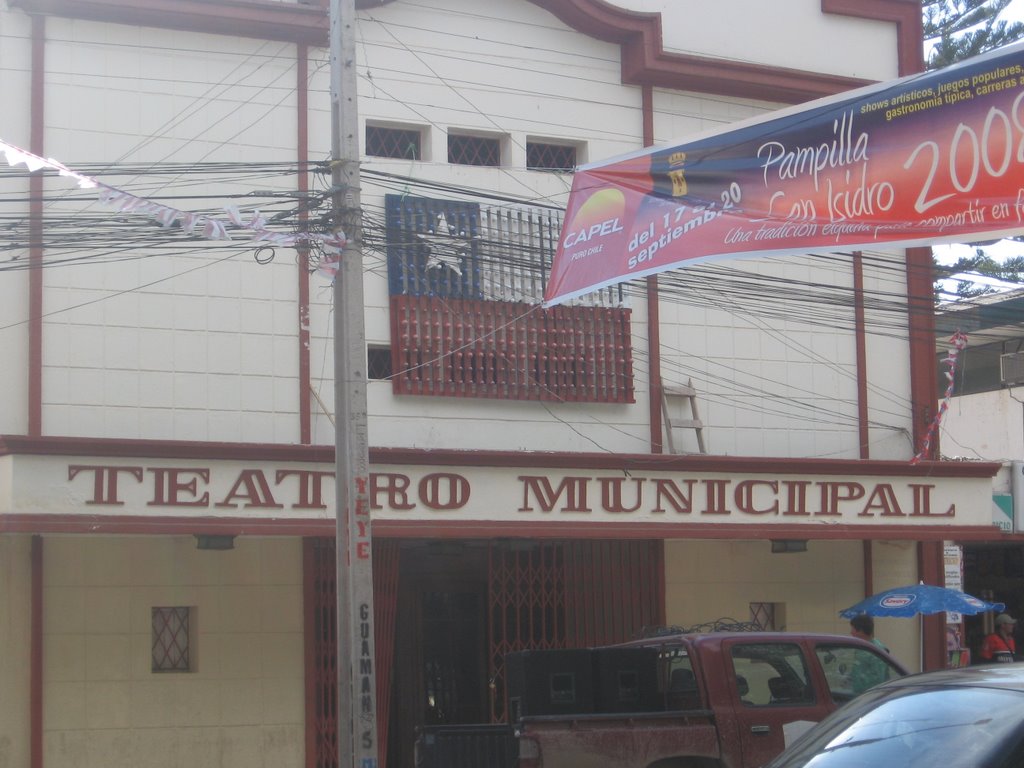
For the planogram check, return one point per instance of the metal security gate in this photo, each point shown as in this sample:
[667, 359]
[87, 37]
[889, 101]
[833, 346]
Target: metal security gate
[320, 585]
[568, 594]
[533, 595]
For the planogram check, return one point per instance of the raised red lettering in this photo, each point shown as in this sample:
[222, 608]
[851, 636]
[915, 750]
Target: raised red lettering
[882, 498]
[395, 489]
[668, 490]
[574, 488]
[715, 497]
[796, 497]
[169, 483]
[311, 487]
[923, 502]
[104, 481]
[444, 490]
[744, 496]
[834, 493]
[611, 494]
[251, 486]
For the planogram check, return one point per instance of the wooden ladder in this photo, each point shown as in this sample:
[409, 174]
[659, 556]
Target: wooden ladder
[689, 393]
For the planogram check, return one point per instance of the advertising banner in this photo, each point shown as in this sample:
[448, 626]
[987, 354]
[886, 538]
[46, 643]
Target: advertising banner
[926, 159]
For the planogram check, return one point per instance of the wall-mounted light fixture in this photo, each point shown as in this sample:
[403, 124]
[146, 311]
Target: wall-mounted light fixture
[214, 541]
[782, 546]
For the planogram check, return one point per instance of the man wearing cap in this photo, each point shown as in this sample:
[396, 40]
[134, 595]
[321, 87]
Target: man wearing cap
[1000, 645]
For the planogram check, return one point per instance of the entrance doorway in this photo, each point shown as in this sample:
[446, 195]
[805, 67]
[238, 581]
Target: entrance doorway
[440, 672]
[448, 612]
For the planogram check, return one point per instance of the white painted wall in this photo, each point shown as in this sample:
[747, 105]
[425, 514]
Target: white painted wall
[786, 34]
[986, 425]
[176, 341]
[15, 32]
[201, 343]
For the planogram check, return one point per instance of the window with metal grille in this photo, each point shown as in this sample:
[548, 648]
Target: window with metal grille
[766, 615]
[474, 150]
[550, 157]
[172, 650]
[378, 363]
[399, 143]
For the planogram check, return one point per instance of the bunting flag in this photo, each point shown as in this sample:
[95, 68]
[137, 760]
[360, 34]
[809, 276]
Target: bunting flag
[959, 341]
[197, 225]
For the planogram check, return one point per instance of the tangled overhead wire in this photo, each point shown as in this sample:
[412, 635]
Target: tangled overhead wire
[718, 625]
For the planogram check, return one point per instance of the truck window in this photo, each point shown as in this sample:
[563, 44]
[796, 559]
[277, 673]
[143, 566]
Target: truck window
[771, 674]
[851, 670]
[679, 680]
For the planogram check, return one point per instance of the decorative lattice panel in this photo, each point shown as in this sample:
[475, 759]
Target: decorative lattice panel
[510, 351]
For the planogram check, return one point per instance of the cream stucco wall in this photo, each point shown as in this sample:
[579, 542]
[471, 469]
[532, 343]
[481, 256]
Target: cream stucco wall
[103, 706]
[15, 644]
[706, 581]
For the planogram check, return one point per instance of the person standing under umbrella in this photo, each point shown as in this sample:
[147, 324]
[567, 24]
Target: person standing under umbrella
[868, 670]
[863, 626]
[1000, 645]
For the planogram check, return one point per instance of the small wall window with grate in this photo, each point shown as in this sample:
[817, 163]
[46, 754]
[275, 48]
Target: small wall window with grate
[541, 156]
[399, 143]
[173, 639]
[770, 617]
[474, 150]
[378, 363]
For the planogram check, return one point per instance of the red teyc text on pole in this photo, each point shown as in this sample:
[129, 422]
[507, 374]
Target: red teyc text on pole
[357, 705]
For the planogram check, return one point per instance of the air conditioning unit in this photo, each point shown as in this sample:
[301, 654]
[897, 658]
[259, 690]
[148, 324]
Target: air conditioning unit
[1011, 368]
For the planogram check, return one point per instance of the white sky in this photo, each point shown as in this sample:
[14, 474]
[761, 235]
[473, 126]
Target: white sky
[947, 254]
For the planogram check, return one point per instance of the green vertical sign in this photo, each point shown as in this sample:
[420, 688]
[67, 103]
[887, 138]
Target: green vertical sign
[1002, 511]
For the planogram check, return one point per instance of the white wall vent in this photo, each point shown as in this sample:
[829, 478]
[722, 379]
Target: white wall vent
[1011, 368]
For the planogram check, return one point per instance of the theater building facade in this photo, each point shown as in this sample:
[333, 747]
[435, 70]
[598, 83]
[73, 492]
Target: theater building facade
[726, 444]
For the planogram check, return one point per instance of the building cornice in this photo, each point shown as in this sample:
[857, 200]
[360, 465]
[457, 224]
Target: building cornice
[14, 445]
[639, 34]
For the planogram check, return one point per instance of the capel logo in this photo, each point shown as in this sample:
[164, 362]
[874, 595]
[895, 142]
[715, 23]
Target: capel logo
[897, 601]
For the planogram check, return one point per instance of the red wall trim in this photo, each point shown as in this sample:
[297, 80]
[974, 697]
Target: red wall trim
[302, 128]
[869, 569]
[309, 649]
[921, 333]
[478, 529]
[152, 449]
[931, 570]
[644, 62]
[862, 355]
[35, 206]
[654, 384]
[36, 656]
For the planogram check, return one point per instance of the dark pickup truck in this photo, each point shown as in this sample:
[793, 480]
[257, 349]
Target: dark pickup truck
[730, 700]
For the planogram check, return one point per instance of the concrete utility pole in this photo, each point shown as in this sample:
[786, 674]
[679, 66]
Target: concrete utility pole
[357, 695]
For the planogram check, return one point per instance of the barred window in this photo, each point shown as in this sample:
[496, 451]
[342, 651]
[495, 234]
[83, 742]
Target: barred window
[550, 157]
[399, 143]
[378, 363]
[767, 615]
[474, 150]
[172, 646]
